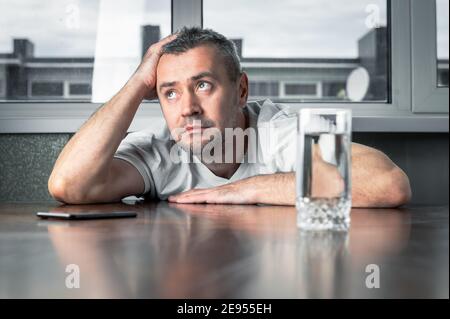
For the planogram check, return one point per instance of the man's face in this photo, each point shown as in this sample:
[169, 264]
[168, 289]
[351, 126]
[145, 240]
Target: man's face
[196, 93]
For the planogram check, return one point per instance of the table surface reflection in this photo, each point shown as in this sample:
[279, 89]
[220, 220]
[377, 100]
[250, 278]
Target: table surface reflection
[221, 251]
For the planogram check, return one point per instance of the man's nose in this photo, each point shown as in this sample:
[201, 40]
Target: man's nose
[190, 104]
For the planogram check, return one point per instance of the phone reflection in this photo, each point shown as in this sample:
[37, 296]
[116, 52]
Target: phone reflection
[217, 251]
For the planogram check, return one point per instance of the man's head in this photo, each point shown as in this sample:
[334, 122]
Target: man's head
[199, 78]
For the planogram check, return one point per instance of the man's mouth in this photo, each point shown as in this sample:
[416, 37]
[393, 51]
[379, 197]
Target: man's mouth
[194, 128]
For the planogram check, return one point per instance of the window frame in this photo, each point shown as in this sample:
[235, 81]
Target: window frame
[427, 97]
[399, 114]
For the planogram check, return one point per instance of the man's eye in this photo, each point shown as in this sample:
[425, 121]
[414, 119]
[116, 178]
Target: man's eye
[170, 95]
[204, 86]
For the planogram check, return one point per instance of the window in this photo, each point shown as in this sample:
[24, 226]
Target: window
[299, 41]
[264, 89]
[333, 89]
[442, 41]
[89, 47]
[80, 89]
[429, 53]
[47, 89]
[300, 89]
[382, 58]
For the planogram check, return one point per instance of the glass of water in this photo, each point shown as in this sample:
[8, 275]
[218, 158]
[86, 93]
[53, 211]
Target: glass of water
[323, 174]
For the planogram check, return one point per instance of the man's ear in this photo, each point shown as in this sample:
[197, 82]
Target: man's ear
[243, 89]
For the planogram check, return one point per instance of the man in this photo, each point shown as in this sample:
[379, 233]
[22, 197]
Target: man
[197, 77]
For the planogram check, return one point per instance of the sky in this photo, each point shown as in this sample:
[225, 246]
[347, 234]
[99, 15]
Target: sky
[69, 27]
[292, 28]
[442, 28]
[281, 28]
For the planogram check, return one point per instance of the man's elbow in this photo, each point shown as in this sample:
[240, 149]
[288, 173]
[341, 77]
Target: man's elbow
[398, 188]
[57, 189]
[63, 191]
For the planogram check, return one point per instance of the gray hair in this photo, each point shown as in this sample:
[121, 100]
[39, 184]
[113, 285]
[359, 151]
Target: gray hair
[189, 38]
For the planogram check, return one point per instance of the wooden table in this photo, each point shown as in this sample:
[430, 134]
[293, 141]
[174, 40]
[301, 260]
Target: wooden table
[222, 251]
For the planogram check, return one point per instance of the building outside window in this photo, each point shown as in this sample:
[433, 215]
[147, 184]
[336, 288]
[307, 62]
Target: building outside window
[300, 42]
[293, 51]
[81, 50]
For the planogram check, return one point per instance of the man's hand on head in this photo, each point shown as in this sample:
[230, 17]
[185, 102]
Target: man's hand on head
[146, 71]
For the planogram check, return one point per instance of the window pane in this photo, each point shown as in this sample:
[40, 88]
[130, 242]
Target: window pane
[301, 41]
[90, 47]
[46, 89]
[80, 89]
[263, 89]
[300, 89]
[442, 41]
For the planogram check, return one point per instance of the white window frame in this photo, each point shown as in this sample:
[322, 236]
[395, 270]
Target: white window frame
[398, 115]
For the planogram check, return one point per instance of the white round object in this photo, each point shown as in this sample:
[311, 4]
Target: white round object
[357, 84]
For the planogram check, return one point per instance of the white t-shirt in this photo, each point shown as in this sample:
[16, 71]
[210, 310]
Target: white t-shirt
[272, 149]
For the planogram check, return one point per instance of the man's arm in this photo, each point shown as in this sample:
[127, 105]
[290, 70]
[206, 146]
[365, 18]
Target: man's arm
[376, 182]
[86, 170]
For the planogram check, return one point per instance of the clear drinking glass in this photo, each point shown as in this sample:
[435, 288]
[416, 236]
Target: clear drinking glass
[323, 172]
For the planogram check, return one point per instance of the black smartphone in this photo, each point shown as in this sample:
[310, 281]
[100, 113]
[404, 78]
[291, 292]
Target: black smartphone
[85, 215]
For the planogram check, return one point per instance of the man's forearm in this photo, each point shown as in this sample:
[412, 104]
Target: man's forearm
[86, 157]
[373, 185]
[272, 189]
[376, 182]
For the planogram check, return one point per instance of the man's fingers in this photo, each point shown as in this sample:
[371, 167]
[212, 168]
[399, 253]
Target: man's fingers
[184, 196]
[196, 191]
[169, 38]
[154, 51]
[201, 198]
[165, 40]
